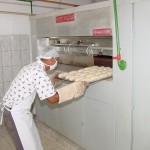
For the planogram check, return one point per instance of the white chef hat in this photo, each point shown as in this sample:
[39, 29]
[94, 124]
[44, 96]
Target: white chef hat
[49, 52]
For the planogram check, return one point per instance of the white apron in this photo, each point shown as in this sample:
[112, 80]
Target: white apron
[25, 125]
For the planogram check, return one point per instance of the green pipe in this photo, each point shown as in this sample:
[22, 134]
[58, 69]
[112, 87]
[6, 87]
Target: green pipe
[121, 63]
[116, 27]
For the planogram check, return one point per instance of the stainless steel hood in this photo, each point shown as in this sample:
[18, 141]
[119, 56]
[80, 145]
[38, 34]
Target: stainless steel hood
[80, 33]
[82, 24]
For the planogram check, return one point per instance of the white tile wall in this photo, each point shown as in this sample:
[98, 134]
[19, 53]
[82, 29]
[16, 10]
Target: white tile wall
[25, 57]
[15, 42]
[0, 58]
[5, 43]
[16, 58]
[7, 74]
[1, 90]
[6, 58]
[15, 69]
[14, 53]
[6, 86]
[1, 75]
[0, 105]
[24, 42]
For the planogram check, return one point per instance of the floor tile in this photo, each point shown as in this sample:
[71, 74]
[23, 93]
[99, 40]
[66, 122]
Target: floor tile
[48, 142]
[50, 139]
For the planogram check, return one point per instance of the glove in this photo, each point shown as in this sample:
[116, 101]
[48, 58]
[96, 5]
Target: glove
[71, 91]
[55, 81]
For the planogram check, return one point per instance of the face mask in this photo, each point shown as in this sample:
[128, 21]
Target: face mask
[52, 66]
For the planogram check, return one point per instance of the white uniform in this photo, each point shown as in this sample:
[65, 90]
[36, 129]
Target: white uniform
[20, 96]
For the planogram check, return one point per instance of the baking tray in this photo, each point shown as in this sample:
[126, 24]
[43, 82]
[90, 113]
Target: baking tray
[91, 83]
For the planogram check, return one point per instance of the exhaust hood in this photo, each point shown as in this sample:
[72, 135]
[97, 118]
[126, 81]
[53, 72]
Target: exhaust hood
[81, 23]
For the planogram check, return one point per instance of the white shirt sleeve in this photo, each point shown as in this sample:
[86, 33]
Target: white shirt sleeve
[43, 85]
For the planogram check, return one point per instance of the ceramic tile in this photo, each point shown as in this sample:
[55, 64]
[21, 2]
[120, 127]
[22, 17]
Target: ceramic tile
[15, 42]
[6, 86]
[48, 142]
[5, 43]
[76, 147]
[7, 138]
[25, 57]
[6, 58]
[61, 140]
[1, 75]
[67, 145]
[16, 58]
[7, 74]
[0, 58]
[16, 70]
[25, 42]
[1, 99]
[1, 90]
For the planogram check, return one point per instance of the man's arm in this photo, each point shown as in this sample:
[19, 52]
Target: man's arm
[53, 99]
[69, 92]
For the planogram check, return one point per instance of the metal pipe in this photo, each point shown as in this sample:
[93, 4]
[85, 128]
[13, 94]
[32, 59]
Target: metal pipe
[93, 47]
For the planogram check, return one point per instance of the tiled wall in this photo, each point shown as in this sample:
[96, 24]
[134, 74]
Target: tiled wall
[14, 54]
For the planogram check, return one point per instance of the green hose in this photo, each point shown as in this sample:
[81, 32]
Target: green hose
[116, 27]
[121, 63]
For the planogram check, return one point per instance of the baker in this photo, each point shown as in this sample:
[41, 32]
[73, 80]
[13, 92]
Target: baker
[20, 96]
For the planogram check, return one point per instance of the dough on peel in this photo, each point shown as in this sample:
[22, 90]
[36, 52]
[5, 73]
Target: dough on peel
[94, 78]
[94, 67]
[88, 74]
[68, 76]
[72, 78]
[63, 75]
[87, 68]
[81, 70]
[73, 72]
[79, 79]
[97, 73]
[83, 74]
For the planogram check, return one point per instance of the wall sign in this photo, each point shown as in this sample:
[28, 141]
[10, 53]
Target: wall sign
[65, 18]
[102, 32]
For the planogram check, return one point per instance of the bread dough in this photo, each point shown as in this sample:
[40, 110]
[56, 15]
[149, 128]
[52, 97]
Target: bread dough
[73, 72]
[72, 78]
[68, 76]
[83, 74]
[88, 74]
[63, 75]
[79, 79]
[94, 67]
[81, 70]
[88, 68]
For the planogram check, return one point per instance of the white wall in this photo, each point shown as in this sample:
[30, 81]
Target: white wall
[14, 43]
[14, 24]
[15, 35]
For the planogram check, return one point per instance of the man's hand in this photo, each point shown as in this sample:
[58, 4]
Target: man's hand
[71, 91]
[80, 88]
